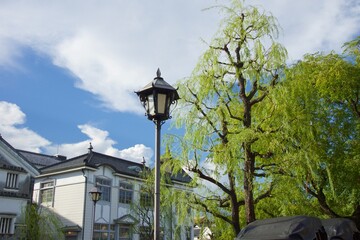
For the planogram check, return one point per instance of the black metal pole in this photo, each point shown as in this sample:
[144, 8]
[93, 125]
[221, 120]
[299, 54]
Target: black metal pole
[93, 225]
[157, 182]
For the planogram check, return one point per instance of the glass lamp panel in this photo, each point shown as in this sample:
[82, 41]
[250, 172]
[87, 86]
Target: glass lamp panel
[161, 103]
[150, 105]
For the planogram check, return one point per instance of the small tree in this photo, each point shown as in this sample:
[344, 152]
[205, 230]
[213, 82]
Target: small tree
[39, 223]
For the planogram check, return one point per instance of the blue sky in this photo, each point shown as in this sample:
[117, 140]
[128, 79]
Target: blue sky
[69, 69]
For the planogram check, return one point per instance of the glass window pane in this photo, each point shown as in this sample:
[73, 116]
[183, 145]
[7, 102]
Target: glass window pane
[125, 192]
[104, 186]
[161, 104]
[151, 107]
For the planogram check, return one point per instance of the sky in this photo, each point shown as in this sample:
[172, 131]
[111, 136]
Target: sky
[69, 69]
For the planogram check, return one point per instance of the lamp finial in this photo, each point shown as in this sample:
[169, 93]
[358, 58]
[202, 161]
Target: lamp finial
[158, 73]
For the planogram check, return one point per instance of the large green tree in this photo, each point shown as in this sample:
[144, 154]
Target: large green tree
[223, 144]
[317, 110]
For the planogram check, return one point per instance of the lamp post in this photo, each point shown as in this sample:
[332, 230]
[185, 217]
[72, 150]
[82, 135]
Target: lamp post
[95, 195]
[156, 97]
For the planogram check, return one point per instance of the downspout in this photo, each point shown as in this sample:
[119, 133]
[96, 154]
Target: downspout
[85, 194]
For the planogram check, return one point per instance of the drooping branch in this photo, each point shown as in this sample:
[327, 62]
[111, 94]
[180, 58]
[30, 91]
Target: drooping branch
[203, 204]
[265, 194]
[198, 107]
[320, 196]
[354, 104]
[210, 179]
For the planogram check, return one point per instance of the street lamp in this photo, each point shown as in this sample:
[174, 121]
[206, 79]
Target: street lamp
[95, 195]
[156, 97]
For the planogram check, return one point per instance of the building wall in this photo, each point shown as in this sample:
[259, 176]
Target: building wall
[73, 203]
[15, 188]
[68, 196]
[12, 208]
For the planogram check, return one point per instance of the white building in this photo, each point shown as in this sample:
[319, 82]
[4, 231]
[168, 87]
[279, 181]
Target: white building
[16, 183]
[64, 187]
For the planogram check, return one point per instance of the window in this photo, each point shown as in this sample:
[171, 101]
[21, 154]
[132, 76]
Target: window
[12, 180]
[104, 186]
[47, 193]
[146, 233]
[5, 225]
[146, 199]
[125, 192]
[104, 232]
[125, 232]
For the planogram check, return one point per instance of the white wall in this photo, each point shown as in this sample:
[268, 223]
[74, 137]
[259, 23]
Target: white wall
[69, 194]
[72, 201]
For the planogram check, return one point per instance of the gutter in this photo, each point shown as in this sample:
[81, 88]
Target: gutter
[84, 206]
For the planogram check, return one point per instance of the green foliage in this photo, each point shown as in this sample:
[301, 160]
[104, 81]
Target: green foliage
[174, 214]
[221, 111]
[352, 49]
[39, 223]
[316, 110]
[282, 146]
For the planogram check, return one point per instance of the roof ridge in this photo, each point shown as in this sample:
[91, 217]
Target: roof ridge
[65, 161]
[117, 158]
[35, 153]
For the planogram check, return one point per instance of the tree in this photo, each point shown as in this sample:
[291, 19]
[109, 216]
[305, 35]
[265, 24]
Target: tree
[218, 108]
[39, 223]
[317, 108]
[174, 210]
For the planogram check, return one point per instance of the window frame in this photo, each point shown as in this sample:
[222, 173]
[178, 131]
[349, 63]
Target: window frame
[129, 227]
[105, 189]
[146, 198]
[126, 192]
[145, 232]
[44, 188]
[8, 221]
[106, 231]
[12, 181]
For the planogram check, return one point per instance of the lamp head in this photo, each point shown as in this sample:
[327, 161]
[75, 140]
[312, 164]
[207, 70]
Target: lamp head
[95, 194]
[157, 97]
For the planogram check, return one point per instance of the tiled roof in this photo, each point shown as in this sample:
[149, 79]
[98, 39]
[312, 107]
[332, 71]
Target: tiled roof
[95, 159]
[5, 164]
[79, 161]
[38, 159]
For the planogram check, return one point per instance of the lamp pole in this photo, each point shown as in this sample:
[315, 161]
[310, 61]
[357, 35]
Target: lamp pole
[95, 195]
[157, 181]
[156, 97]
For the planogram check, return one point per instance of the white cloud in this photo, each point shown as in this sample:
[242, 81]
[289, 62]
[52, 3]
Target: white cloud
[102, 143]
[115, 47]
[311, 26]
[112, 48]
[11, 119]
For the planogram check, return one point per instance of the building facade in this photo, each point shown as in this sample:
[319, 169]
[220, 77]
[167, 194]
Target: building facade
[16, 186]
[125, 208]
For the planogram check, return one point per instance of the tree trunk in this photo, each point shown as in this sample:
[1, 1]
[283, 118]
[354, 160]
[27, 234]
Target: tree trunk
[248, 184]
[248, 168]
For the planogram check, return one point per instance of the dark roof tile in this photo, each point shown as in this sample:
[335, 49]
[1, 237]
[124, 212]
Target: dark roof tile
[39, 159]
[95, 159]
